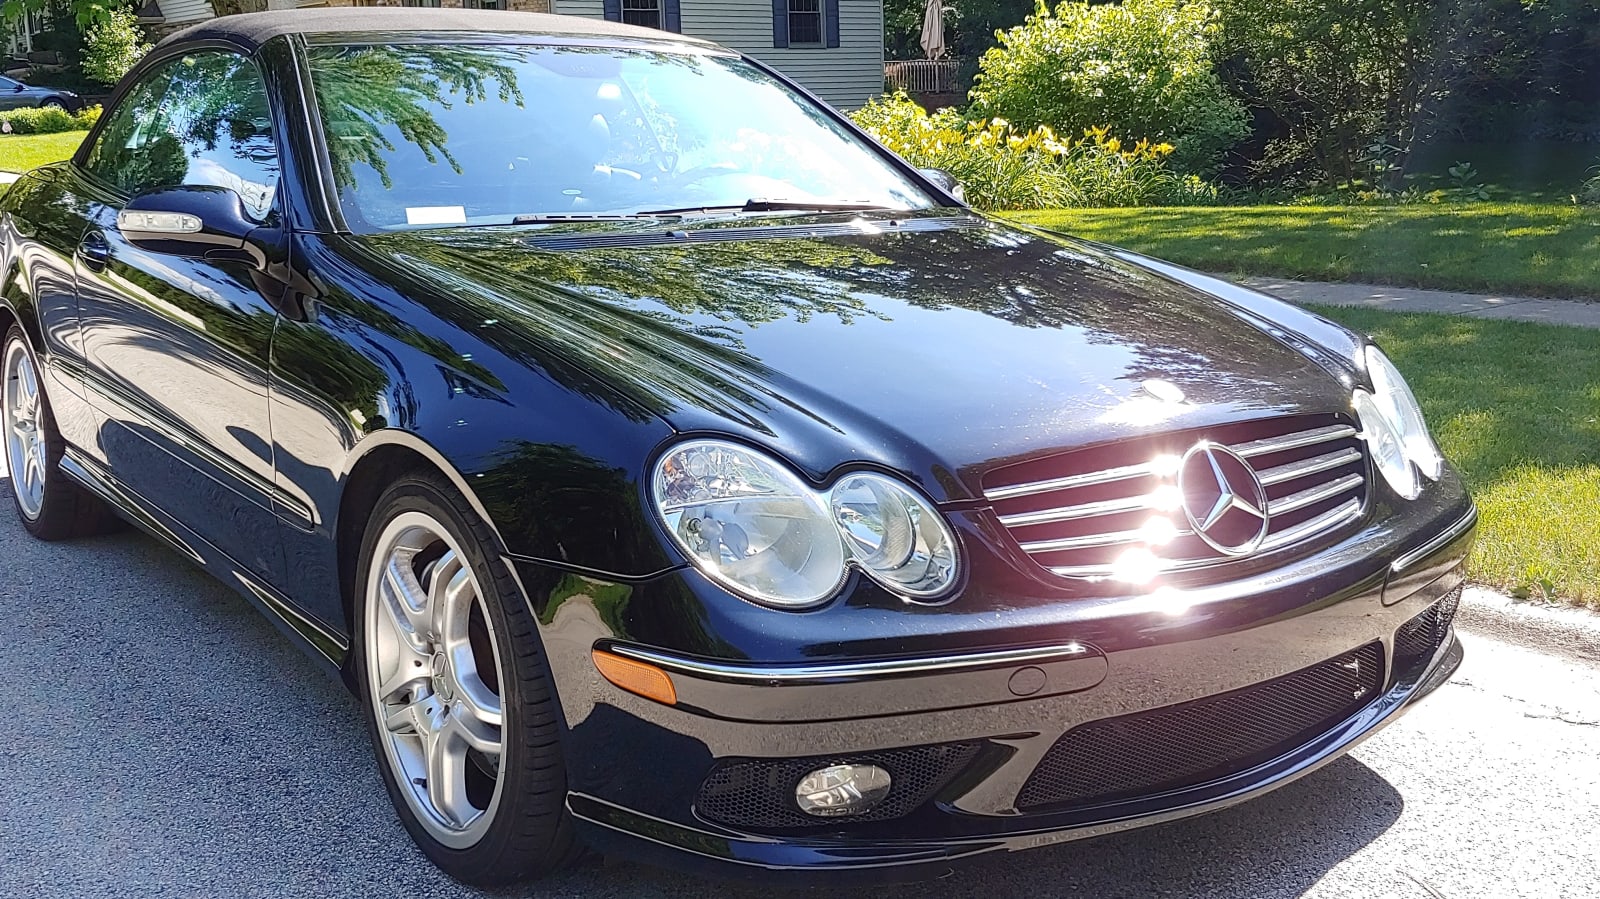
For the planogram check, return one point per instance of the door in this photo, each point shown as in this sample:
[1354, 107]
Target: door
[177, 348]
[13, 95]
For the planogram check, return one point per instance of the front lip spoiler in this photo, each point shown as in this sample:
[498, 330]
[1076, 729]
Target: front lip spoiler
[727, 853]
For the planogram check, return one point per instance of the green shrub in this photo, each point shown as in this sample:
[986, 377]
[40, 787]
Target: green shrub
[88, 116]
[111, 47]
[39, 120]
[1142, 68]
[1003, 167]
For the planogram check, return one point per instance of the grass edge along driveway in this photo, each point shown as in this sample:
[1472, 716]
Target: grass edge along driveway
[1516, 406]
[1528, 249]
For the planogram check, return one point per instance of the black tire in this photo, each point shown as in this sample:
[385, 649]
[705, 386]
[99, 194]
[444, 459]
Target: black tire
[531, 831]
[66, 510]
[52, 102]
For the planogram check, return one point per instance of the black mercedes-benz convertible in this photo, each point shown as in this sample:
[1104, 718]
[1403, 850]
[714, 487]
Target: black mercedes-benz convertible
[670, 470]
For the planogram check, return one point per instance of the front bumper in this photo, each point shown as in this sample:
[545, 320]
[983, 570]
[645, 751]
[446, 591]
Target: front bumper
[636, 767]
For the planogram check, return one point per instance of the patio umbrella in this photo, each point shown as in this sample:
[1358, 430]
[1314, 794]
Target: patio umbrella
[933, 29]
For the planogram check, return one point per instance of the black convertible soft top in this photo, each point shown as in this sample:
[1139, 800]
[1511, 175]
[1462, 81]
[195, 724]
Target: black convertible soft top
[251, 30]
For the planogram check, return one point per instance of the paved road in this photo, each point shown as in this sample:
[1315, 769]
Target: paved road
[161, 739]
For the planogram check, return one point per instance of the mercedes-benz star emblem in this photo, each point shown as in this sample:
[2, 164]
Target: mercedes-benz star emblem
[1223, 499]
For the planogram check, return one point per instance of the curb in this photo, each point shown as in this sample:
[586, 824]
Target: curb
[1569, 632]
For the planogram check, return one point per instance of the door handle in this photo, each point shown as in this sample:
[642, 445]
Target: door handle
[95, 251]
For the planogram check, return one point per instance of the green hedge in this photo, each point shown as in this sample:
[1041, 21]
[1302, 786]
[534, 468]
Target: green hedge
[48, 120]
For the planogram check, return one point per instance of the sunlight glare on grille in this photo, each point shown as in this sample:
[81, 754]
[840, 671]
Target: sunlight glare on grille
[1114, 512]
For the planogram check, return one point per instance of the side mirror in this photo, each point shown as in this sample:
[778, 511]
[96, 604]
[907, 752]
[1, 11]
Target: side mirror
[19, 88]
[193, 220]
[946, 181]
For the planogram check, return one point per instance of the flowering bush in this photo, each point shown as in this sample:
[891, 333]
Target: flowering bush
[1142, 68]
[1003, 167]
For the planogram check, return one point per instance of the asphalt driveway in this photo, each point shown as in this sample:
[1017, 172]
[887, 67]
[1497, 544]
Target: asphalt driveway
[161, 739]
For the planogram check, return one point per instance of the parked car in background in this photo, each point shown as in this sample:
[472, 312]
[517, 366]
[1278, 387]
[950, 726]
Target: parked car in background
[15, 94]
[670, 469]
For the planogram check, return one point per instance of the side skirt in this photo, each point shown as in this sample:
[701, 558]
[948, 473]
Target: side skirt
[326, 646]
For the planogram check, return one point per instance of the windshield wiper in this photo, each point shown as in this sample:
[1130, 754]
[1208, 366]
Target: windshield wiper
[760, 205]
[556, 218]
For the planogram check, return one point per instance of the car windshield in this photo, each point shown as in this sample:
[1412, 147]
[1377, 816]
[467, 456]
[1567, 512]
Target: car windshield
[438, 135]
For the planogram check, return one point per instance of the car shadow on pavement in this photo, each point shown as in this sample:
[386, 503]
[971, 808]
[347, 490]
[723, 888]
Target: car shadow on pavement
[178, 745]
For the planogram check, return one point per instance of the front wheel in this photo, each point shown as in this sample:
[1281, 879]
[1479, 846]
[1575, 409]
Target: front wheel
[50, 506]
[53, 103]
[461, 712]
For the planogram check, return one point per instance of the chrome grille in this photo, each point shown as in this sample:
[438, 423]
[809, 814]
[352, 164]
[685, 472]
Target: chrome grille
[1080, 514]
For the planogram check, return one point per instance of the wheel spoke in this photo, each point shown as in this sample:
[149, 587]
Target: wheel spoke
[405, 602]
[411, 670]
[447, 777]
[473, 732]
[450, 597]
[476, 699]
[420, 717]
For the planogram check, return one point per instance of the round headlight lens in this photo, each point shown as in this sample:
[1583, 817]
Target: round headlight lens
[749, 524]
[1386, 445]
[1399, 404]
[896, 536]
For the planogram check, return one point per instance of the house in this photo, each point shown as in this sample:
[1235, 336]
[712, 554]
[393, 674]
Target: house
[833, 47]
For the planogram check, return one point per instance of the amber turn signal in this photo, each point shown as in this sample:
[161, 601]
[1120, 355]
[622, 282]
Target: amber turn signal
[636, 677]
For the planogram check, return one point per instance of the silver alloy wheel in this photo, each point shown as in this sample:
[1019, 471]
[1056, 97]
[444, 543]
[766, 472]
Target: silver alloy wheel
[25, 445]
[434, 675]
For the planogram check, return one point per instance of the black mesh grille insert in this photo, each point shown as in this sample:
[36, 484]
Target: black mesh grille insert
[1417, 640]
[759, 793]
[1200, 741]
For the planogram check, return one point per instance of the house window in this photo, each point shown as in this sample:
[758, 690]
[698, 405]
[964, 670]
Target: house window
[482, 4]
[642, 12]
[805, 22]
[428, 4]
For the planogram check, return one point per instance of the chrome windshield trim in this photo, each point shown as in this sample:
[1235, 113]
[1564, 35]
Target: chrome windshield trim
[846, 671]
[1462, 525]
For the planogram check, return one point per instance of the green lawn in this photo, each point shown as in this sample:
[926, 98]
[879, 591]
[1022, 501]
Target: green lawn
[20, 152]
[1516, 407]
[1517, 248]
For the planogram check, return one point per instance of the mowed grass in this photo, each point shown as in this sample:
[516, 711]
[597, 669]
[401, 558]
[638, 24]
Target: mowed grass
[21, 152]
[1529, 249]
[1516, 407]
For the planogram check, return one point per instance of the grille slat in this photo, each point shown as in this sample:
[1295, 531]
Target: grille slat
[1307, 467]
[1204, 740]
[1313, 495]
[1299, 440]
[1083, 515]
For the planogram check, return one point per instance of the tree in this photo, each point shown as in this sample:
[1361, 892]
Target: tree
[112, 46]
[87, 13]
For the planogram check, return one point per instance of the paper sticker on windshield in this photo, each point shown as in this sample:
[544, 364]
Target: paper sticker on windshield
[436, 215]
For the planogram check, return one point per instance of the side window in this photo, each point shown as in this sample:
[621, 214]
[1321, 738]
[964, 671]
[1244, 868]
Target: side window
[199, 119]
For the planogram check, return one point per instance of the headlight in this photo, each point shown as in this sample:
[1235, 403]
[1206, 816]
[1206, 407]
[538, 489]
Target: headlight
[754, 527]
[1391, 422]
[894, 535]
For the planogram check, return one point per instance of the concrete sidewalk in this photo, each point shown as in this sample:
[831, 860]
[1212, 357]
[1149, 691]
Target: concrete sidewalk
[1576, 313]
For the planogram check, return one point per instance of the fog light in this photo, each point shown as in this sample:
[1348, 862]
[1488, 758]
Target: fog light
[839, 790]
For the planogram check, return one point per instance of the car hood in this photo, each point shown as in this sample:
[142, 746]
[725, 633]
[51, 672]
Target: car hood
[939, 346]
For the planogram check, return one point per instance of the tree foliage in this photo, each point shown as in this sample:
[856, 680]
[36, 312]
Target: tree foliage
[1350, 90]
[1142, 68]
[112, 46]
